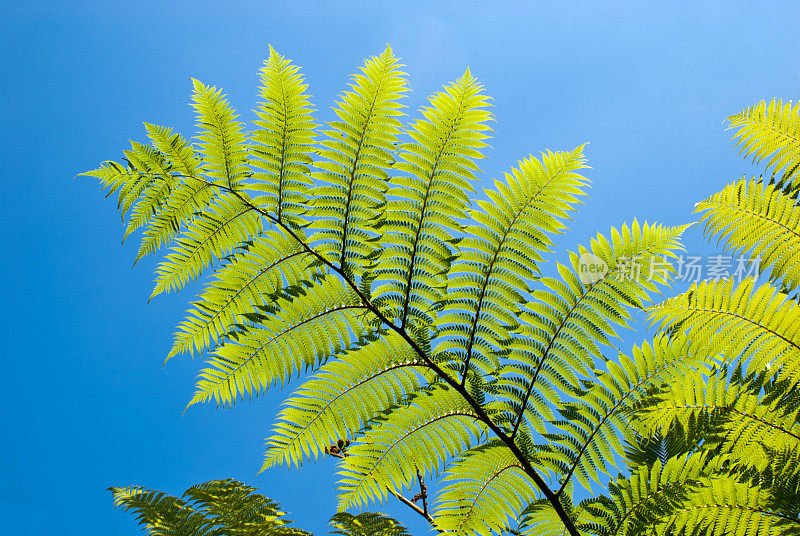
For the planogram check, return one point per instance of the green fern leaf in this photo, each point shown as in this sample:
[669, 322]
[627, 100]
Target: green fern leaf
[760, 218]
[212, 235]
[499, 258]
[355, 156]
[732, 321]
[592, 430]
[484, 488]
[770, 131]
[571, 318]
[223, 142]
[748, 428]
[640, 503]
[426, 201]
[283, 142]
[248, 281]
[366, 524]
[210, 509]
[415, 436]
[342, 397]
[298, 333]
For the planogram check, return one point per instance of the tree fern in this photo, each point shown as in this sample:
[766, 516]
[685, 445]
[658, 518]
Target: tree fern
[230, 508]
[746, 423]
[362, 254]
[568, 321]
[639, 503]
[221, 227]
[592, 431]
[251, 279]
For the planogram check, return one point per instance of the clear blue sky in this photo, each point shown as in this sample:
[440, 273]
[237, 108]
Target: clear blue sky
[85, 401]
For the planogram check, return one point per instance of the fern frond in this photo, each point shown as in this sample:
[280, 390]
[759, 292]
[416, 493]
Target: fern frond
[485, 487]
[723, 506]
[746, 427]
[342, 397]
[760, 218]
[149, 192]
[639, 503]
[222, 140]
[283, 142]
[770, 131]
[783, 481]
[212, 235]
[540, 519]
[160, 187]
[592, 431]
[427, 200]
[190, 194]
[418, 435]
[644, 449]
[570, 319]
[161, 514]
[758, 325]
[366, 524]
[213, 508]
[355, 156]
[226, 224]
[248, 281]
[237, 510]
[297, 333]
[499, 258]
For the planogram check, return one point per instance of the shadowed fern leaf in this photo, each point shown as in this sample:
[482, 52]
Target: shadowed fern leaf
[366, 524]
[214, 508]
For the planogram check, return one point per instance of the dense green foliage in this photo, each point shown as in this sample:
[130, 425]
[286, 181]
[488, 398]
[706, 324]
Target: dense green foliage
[230, 508]
[719, 449]
[359, 256]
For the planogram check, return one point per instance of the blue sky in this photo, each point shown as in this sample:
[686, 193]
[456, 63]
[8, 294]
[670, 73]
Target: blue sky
[86, 402]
